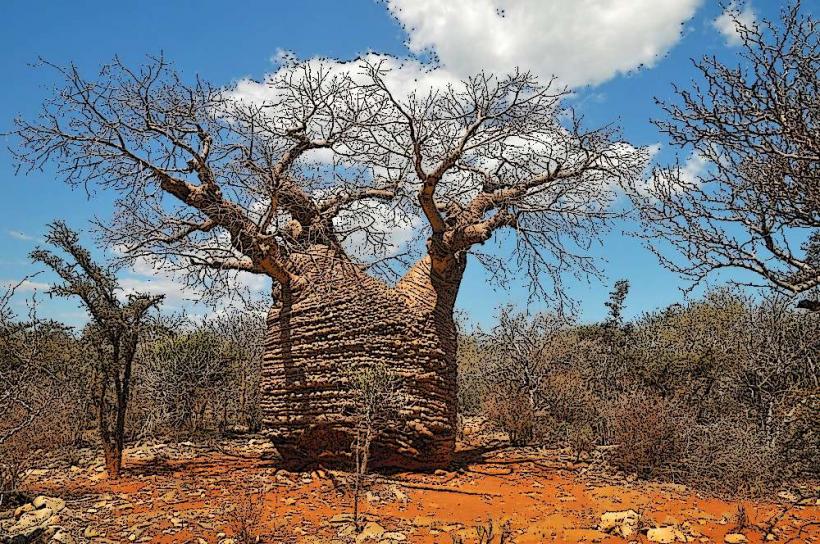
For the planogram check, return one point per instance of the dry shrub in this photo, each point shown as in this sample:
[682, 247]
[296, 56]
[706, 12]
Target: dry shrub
[15, 458]
[729, 456]
[719, 393]
[581, 438]
[651, 433]
[245, 517]
[196, 378]
[570, 412]
[798, 436]
[48, 437]
[660, 438]
[512, 412]
[488, 532]
[186, 376]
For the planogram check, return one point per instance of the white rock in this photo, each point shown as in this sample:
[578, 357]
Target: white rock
[56, 504]
[665, 535]
[63, 537]
[624, 523]
[31, 519]
[372, 530]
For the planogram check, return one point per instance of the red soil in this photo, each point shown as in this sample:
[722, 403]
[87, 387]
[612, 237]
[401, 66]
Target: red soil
[543, 496]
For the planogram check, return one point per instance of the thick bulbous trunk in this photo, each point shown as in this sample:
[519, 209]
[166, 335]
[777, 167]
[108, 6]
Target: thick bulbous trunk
[344, 319]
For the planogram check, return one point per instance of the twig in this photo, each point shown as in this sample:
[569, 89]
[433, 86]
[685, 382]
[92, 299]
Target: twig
[426, 487]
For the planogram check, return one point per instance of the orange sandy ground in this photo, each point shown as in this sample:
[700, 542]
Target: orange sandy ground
[543, 496]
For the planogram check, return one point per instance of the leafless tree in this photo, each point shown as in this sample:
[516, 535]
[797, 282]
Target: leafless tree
[379, 399]
[43, 379]
[756, 127]
[518, 356]
[243, 330]
[115, 329]
[17, 364]
[211, 185]
[186, 378]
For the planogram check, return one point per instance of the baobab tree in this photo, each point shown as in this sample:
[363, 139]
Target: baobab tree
[304, 183]
[756, 128]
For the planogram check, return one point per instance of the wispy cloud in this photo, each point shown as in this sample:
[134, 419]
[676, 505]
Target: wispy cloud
[25, 286]
[22, 236]
[733, 16]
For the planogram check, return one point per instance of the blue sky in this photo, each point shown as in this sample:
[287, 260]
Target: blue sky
[224, 42]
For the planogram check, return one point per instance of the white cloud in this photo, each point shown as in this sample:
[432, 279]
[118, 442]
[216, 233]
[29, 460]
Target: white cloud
[144, 277]
[727, 22]
[653, 150]
[18, 235]
[379, 231]
[693, 168]
[25, 286]
[390, 230]
[687, 176]
[579, 41]
[404, 76]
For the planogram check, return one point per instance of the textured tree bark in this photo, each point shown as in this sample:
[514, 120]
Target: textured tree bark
[348, 319]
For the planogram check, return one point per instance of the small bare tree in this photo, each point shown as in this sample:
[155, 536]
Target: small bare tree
[616, 303]
[379, 398]
[17, 365]
[114, 330]
[756, 128]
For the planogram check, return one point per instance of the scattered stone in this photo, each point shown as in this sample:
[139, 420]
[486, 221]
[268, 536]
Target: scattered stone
[371, 497]
[347, 531]
[787, 496]
[371, 531]
[90, 532]
[423, 521]
[339, 519]
[54, 503]
[26, 536]
[20, 510]
[392, 536]
[665, 535]
[36, 521]
[624, 523]
[170, 496]
[62, 537]
[735, 538]
[34, 518]
[675, 488]
[400, 495]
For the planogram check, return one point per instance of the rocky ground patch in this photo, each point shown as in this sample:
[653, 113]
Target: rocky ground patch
[229, 491]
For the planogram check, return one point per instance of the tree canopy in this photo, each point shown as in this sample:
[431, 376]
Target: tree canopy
[211, 182]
